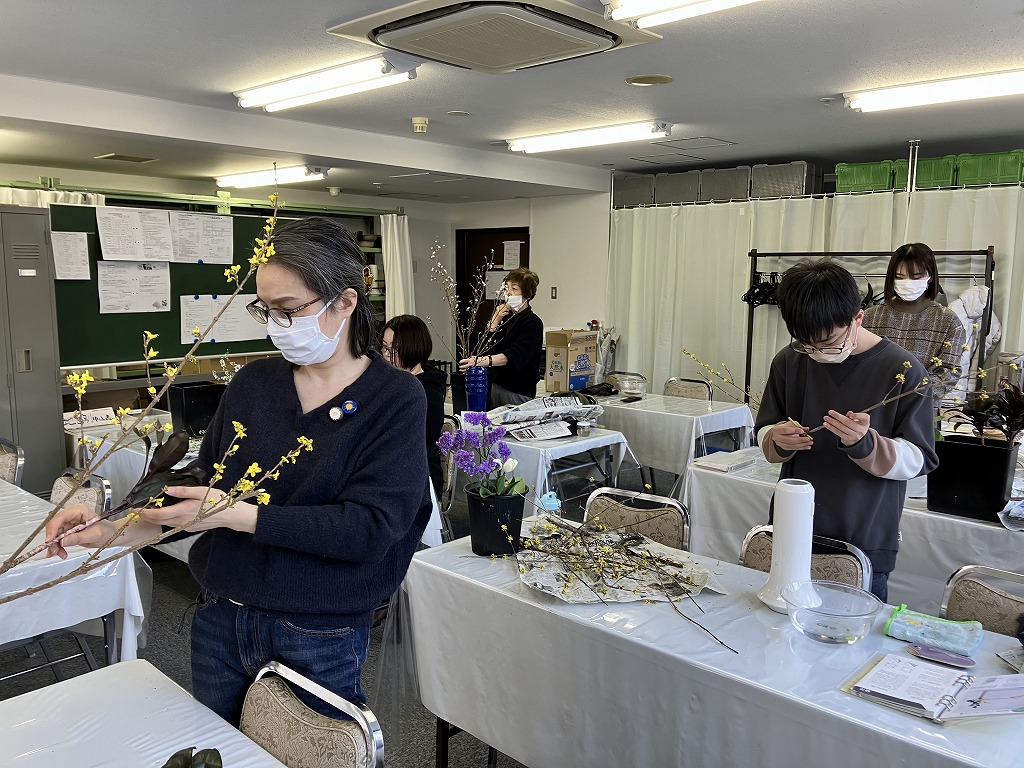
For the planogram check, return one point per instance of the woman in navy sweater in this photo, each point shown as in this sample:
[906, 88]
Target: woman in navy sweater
[297, 579]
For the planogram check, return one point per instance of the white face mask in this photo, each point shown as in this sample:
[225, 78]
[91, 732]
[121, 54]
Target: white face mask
[303, 343]
[909, 290]
[514, 302]
[848, 346]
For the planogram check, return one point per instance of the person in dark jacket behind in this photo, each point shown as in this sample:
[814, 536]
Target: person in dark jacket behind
[297, 577]
[406, 344]
[514, 350]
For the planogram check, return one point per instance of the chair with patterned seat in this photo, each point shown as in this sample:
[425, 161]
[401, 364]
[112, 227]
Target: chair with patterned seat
[659, 518]
[12, 462]
[831, 559]
[276, 719]
[93, 492]
[970, 597]
[695, 389]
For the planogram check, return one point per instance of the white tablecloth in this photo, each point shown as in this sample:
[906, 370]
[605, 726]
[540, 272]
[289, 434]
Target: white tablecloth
[664, 432]
[724, 506]
[125, 716]
[112, 587]
[537, 457]
[124, 467]
[551, 684]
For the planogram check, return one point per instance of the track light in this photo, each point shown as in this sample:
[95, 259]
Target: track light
[289, 175]
[354, 77]
[593, 137]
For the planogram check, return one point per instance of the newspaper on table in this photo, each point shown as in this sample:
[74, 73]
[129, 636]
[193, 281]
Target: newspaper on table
[613, 566]
[543, 417]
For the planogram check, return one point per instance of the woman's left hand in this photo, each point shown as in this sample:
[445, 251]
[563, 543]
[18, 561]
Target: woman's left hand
[850, 428]
[240, 516]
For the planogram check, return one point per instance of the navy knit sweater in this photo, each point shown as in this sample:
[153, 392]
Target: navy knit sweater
[344, 520]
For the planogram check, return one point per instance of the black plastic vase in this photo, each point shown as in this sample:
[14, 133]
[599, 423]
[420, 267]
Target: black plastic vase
[972, 480]
[487, 515]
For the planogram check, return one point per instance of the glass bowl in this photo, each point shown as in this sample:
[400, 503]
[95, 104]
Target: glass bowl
[632, 386]
[829, 611]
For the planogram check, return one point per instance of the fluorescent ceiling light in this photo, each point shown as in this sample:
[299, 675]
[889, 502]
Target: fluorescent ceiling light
[651, 13]
[938, 92]
[274, 176]
[355, 77]
[592, 137]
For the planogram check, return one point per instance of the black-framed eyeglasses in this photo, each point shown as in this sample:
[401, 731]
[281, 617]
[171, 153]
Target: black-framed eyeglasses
[386, 349]
[807, 349]
[261, 313]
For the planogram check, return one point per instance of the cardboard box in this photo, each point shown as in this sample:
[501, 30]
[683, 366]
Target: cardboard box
[571, 359]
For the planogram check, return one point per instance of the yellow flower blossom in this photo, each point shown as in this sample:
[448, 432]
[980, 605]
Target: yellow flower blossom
[253, 470]
[908, 364]
[232, 450]
[274, 475]
[244, 486]
[158, 501]
[1014, 366]
[197, 331]
[965, 347]
[982, 373]
[168, 428]
[151, 390]
[239, 428]
[170, 370]
[151, 353]
[272, 197]
[150, 336]
[262, 497]
[900, 378]
[933, 361]
[306, 443]
[122, 411]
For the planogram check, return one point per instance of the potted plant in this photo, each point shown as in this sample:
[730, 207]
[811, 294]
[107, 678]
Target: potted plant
[495, 498]
[975, 473]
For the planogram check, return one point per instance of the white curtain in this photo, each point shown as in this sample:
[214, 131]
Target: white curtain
[397, 252]
[43, 198]
[676, 273]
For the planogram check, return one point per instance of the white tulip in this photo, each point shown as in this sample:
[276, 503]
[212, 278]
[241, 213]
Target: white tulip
[509, 465]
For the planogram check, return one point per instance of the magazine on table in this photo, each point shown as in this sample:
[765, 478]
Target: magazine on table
[934, 691]
[547, 431]
[728, 461]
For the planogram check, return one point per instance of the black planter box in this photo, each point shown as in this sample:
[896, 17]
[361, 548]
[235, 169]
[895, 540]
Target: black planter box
[193, 404]
[972, 480]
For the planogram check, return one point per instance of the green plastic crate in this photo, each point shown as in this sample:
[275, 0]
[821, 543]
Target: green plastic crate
[863, 177]
[932, 172]
[990, 168]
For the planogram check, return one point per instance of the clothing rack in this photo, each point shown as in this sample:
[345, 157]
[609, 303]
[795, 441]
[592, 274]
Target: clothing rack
[757, 276]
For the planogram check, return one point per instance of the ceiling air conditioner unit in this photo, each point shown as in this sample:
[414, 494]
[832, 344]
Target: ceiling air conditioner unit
[492, 37]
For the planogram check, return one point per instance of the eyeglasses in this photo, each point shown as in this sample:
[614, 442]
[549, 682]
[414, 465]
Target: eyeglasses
[261, 313]
[808, 349]
[387, 349]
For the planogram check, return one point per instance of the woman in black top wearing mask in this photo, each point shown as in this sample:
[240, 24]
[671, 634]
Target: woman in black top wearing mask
[518, 337]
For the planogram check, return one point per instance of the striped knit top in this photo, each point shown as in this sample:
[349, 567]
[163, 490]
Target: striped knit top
[927, 330]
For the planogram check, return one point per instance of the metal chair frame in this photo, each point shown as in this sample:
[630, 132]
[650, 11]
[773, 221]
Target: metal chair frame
[449, 473]
[104, 499]
[866, 571]
[975, 570]
[624, 497]
[360, 713]
[7, 446]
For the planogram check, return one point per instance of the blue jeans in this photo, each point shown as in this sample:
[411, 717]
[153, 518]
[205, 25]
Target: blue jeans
[231, 642]
[880, 586]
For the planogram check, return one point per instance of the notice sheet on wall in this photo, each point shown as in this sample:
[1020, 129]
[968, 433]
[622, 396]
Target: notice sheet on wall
[134, 287]
[201, 238]
[134, 234]
[236, 324]
[70, 255]
[512, 249]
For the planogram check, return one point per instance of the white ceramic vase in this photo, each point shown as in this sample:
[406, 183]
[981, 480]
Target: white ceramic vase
[791, 540]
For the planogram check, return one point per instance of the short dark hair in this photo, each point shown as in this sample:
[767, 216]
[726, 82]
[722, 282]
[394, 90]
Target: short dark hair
[328, 260]
[412, 343]
[526, 279]
[815, 298]
[916, 255]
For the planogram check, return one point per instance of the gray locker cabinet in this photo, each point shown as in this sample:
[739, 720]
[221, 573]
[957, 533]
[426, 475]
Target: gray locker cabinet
[31, 414]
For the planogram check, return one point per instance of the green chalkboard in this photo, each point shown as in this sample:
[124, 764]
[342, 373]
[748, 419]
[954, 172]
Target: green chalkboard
[89, 338]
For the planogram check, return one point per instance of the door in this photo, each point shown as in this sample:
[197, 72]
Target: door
[473, 249]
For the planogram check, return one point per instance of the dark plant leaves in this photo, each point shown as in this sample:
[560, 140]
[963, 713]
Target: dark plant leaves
[169, 453]
[191, 475]
[204, 758]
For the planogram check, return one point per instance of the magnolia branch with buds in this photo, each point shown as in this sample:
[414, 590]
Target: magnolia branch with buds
[130, 427]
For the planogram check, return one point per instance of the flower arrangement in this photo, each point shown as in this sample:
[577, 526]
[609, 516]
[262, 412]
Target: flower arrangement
[463, 320]
[484, 457]
[1003, 411]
